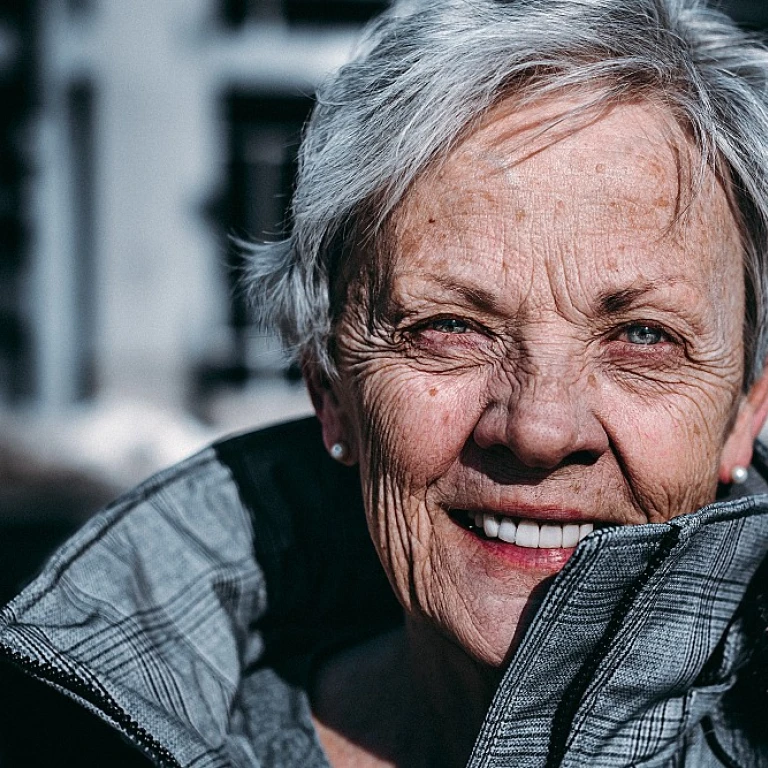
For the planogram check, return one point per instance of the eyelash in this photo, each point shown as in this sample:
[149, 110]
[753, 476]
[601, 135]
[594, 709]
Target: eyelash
[433, 324]
[663, 336]
[453, 326]
[456, 325]
[446, 334]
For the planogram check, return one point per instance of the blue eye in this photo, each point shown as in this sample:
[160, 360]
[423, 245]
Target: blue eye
[644, 334]
[449, 325]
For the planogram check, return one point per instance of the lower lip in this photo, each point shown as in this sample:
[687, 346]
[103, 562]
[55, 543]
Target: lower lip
[552, 559]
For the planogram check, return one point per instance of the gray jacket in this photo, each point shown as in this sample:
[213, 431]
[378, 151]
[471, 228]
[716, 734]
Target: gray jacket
[188, 616]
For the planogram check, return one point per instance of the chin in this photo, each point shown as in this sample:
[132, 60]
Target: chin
[492, 595]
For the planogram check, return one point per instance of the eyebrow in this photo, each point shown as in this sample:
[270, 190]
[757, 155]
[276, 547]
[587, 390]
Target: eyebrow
[610, 302]
[470, 294]
[615, 302]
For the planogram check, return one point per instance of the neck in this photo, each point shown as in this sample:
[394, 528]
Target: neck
[450, 694]
[409, 698]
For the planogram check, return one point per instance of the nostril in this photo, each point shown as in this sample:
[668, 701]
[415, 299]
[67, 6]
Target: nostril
[503, 466]
[542, 435]
[581, 458]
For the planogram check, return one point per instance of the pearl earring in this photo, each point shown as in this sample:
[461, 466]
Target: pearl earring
[339, 451]
[739, 475]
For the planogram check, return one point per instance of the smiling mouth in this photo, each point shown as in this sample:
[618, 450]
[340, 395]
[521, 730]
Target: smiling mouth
[523, 532]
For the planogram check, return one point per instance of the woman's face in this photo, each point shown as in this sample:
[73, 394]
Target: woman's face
[553, 347]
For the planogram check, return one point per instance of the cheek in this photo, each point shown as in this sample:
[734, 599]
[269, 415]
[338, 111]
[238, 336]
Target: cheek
[412, 427]
[416, 423]
[670, 447]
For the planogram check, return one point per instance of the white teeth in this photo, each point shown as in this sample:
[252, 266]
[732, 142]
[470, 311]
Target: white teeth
[570, 535]
[491, 526]
[529, 533]
[550, 536]
[585, 529]
[507, 530]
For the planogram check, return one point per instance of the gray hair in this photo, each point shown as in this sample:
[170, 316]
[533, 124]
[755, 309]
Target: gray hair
[428, 70]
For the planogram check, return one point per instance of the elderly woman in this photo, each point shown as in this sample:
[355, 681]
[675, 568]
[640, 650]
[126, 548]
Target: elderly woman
[526, 283]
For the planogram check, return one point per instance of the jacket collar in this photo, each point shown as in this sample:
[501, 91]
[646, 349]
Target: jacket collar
[634, 645]
[159, 616]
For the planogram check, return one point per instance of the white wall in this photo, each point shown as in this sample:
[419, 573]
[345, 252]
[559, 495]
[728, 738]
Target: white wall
[158, 68]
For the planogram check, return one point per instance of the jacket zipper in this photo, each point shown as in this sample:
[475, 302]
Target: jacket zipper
[569, 704]
[93, 695]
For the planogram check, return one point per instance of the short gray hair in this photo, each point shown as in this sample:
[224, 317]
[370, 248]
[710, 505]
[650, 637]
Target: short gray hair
[428, 70]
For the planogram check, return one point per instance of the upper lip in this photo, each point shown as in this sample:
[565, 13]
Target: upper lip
[543, 512]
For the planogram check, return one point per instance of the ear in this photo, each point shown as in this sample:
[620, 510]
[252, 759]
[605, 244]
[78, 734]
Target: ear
[333, 416]
[752, 414]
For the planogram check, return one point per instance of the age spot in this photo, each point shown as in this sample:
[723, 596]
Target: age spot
[433, 392]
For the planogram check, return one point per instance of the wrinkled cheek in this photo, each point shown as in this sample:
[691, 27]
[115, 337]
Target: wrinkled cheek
[405, 447]
[675, 470]
[416, 427]
[401, 531]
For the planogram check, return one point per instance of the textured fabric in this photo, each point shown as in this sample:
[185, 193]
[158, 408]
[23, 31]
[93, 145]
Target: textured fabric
[148, 610]
[615, 670]
[187, 616]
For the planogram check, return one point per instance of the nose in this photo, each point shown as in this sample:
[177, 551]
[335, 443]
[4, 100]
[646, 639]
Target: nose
[545, 418]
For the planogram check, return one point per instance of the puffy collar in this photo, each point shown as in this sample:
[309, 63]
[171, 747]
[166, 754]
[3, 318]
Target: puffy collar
[635, 644]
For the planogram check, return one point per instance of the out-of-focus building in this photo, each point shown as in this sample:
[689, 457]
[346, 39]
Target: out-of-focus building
[135, 137]
[147, 131]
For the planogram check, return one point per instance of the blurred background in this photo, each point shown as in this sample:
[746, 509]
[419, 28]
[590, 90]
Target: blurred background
[136, 136]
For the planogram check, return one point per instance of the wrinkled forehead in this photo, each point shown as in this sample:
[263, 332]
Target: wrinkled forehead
[630, 157]
[643, 144]
[613, 196]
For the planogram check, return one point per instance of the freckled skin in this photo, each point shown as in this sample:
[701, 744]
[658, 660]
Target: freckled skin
[543, 396]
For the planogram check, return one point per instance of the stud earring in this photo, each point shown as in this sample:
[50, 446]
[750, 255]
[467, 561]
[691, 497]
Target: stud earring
[739, 475]
[339, 451]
